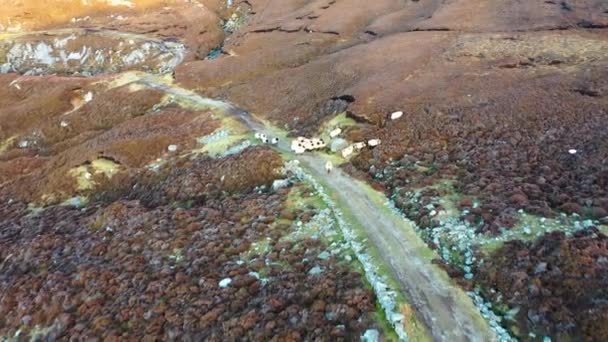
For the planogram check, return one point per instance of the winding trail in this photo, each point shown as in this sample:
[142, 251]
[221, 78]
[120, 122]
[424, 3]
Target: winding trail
[446, 310]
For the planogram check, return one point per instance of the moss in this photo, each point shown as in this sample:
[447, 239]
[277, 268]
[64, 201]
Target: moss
[340, 120]
[6, 144]
[176, 255]
[230, 133]
[530, 228]
[84, 173]
[388, 333]
[219, 147]
[121, 80]
[83, 177]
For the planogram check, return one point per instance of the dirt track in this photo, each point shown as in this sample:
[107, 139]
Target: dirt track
[445, 309]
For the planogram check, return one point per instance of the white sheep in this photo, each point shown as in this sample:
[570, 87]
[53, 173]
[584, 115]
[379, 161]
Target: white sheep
[335, 132]
[258, 135]
[294, 144]
[328, 166]
[373, 142]
[299, 149]
[396, 115]
[317, 143]
[274, 141]
[308, 145]
[265, 139]
[347, 151]
[360, 145]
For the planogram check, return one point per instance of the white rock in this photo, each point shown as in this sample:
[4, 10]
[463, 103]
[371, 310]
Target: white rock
[279, 184]
[316, 270]
[88, 96]
[172, 148]
[225, 282]
[397, 317]
[396, 115]
[63, 124]
[338, 144]
[371, 335]
[572, 151]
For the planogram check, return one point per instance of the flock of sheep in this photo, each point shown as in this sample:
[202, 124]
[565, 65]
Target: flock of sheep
[303, 144]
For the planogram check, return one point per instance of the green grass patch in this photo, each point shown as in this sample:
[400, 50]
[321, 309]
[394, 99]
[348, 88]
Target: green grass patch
[340, 120]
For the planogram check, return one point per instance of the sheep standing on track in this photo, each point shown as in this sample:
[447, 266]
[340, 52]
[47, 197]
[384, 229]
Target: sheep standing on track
[317, 143]
[302, 144]
[328, 166]
[297, 147]
[262, 137]
[274, 141]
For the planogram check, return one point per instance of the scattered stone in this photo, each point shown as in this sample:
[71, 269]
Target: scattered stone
[280, 184]
[540, 268]
[338, 144]
[324, 255]
[371, 335]
[316, 270]
[225, 282]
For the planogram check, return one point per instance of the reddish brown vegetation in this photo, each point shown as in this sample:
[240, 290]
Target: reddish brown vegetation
[559, 283]
[117, 124]
[196, 179]
[509, 160]
[125, 271]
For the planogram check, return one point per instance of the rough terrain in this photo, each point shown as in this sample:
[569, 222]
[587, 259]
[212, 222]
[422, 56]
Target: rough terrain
[146, 109]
